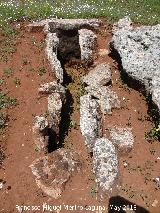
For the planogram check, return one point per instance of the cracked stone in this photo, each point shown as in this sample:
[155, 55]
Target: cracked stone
[139, 50]
[106, 98]
[40, 130]
[122, 138]
[99, 76]
[53, 171]
[90, 120]
[105, 167]
[88, 43]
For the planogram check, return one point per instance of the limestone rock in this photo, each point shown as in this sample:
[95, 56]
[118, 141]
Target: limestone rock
[99, 76]
[70, 24]
[53, 171]
[122, 138]
[52, 87]
[139, 50]
[106, 98]
[54, 110]
[51, 52]
[105, 167]
[90, 120]
[87, 42]
[40, 130]
[155, 91]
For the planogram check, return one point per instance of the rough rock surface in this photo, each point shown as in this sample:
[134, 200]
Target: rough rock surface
[90, 120]
[70, 24]
[51, 52]
[106, 98]
[54, 109]
[40, 130]
[139, 49]
[53, 171]
[105, 167]
[88, 43]
[53, 87]
[99, 76]
[122, 138]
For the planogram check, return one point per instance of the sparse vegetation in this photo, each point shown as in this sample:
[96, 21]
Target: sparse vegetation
[145, 12]
[153, 134]
[6, 101]
[17, 81]
[25, 61]
[42, 70]
[7, 71]
[3, 121]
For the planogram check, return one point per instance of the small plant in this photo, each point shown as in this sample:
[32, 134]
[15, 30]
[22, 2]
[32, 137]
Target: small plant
[129, 121]
[93, 191]
[46, 114]
[153, 134]
[152, 151]
[6, 101]
[3, 121]
[140, 116]
[1, 82]
[7, 71]
[2, 156]
[73, 124]
[25, 61]
[42, 70]
[17, 81]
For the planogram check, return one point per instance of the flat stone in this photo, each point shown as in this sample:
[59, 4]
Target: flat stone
[106, 97]
[105, 167]
[122, 138]
[139, 50]
[70, 24]
[53, 171]
[90, 120]
[40, 130]
[99, 76]
[88, 43]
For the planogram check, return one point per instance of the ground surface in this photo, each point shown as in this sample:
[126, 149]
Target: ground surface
[29, 69]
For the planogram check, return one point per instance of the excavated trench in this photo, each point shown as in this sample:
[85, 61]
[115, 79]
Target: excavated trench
[69, 54]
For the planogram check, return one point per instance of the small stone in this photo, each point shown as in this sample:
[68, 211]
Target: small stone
[99, 76]
[122, 138]
[40, 130]
[1, 185]
[103, 52]
[155, 203]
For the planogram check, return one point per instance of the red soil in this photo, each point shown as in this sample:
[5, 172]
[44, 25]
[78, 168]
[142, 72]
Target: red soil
[20, 187]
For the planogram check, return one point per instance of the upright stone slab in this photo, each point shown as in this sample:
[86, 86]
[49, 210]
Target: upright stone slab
[90, 120]
[105, 167]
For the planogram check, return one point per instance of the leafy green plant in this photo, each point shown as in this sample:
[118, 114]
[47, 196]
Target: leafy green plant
[42, 70]
[2, 156]
[8, 71]
[25, 61]
[3, 121]
[73, 124]
[1, 82]
[17, 81]
[6, 101]
[94, 191]
[153, 134]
